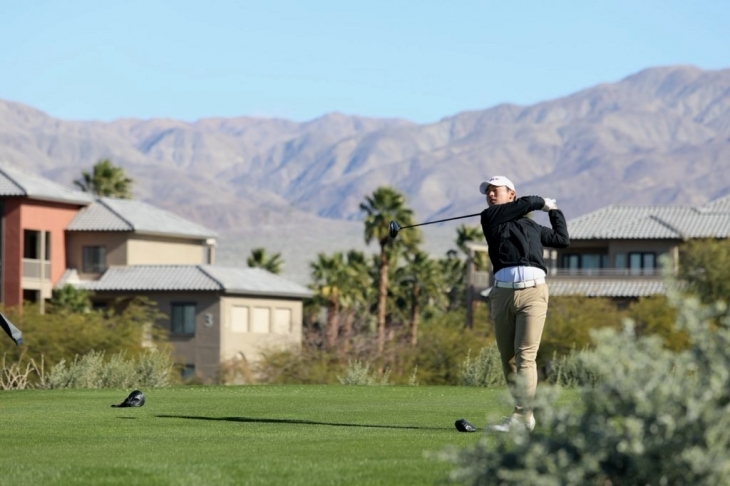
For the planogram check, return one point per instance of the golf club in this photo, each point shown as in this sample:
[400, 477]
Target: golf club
[394, 228]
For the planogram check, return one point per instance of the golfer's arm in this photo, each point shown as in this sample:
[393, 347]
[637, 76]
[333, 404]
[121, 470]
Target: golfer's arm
[557, 236]
[503, 213]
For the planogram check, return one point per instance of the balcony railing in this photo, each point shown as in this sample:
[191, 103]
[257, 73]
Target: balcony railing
[605, 272]
[32, 269]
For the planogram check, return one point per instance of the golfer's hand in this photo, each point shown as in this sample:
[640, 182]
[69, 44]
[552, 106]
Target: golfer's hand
[549, 204]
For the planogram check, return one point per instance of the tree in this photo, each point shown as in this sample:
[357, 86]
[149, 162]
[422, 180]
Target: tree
[357, 291]
[422, 276]
[382, 207]
[259, 259]
[705, 267]
[328, 274]
[70, 299]
[466, 234]
[106, 180]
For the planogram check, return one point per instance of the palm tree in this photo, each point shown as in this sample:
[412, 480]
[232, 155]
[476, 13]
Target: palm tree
[357, 290]
[382, 207]
[424, 277]
[259, 259]
[328, 274]
[465, 234]
[106, 180]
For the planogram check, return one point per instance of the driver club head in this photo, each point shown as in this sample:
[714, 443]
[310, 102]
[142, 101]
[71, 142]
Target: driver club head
[393, 229]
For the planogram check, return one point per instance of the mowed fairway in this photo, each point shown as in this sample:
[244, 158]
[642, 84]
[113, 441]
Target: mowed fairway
[258, 434]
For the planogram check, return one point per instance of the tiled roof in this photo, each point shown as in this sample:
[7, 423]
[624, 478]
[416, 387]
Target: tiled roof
[654, 222]
[16, 182]
[607, 288]
[111, 214]
[188, 278]
[254, 281]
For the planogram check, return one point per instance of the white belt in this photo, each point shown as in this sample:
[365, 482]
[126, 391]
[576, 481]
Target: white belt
[519, 285]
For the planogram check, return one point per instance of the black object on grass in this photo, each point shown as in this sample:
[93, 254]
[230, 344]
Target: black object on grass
[135, 399]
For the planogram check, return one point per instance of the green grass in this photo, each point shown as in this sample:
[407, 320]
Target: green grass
[238, 435]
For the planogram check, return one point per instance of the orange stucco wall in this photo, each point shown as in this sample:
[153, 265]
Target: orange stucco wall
[22, 214]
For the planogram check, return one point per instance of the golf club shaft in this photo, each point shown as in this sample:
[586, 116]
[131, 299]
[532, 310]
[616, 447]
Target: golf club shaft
[441, 220]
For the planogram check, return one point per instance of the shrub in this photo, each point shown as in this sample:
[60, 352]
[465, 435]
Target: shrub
[570, 370]
[655, 417]
[485, 370]
[358, 373]
[150, 369]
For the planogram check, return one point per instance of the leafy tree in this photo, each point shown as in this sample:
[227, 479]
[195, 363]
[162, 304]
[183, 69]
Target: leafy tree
[70, 299]
[382, 207]
[570, 320]
[705, 267]
[106, 180]
[259, 259]
[655, 316]
[57, 336]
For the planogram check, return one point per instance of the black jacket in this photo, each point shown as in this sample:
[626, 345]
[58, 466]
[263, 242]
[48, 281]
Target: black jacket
[516, 240]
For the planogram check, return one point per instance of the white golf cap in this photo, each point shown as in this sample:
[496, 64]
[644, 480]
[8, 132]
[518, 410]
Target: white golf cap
[496, 181]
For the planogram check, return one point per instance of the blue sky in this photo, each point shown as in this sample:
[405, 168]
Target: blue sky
[419, 60]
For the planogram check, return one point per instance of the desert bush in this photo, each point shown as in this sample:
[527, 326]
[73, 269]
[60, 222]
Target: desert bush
[570, 370]
[21, 374]
[656, 417]
[359, 373]
[484, 370]
[57, 336]
[150, 369]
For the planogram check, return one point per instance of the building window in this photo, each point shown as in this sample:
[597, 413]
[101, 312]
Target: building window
[642, 263]
[260, 320]
[574, 262]
[32, 244]
[187, 372]
[182, 319]
[94, 259]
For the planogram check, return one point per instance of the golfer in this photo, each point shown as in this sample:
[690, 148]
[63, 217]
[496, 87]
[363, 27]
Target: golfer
[519, 298]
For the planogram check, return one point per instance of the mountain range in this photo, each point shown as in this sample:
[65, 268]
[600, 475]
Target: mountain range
[660, 136]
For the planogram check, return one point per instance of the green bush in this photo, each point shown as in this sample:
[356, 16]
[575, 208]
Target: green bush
[150, 369]
[655, 417]
[358, 373]
[484, 370]
[570, 370]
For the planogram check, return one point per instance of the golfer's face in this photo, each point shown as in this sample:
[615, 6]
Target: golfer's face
[499, 195]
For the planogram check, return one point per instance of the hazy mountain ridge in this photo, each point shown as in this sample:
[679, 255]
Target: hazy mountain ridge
[659, 136]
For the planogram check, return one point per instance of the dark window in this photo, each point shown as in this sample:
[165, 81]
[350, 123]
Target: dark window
[182, 319]
[31, 244]
[642, 263]
[94, 259]
[31, 296]
[590, 261]
[187, 372]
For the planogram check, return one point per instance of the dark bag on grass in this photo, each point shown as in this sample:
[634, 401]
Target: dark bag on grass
[135, 399]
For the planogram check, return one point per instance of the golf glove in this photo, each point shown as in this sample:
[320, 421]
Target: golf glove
[549, 204]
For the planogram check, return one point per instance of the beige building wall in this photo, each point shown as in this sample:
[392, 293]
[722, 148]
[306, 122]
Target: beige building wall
[114, 242]
[252, 325]
[202, 349]
[159, 250]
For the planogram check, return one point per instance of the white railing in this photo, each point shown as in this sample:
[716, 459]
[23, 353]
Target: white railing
[32, 269]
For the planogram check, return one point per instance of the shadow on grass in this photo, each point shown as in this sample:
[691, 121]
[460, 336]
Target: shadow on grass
[298, 422]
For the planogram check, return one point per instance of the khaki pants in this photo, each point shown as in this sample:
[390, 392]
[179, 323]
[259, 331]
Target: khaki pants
[519, 317]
